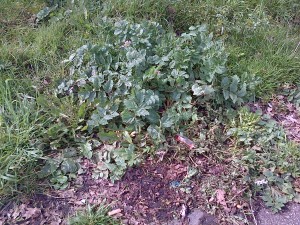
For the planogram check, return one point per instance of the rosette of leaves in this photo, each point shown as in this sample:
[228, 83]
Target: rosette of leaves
[144, 79]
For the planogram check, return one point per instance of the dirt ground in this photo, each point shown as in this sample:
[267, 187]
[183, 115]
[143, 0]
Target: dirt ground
[155, 192]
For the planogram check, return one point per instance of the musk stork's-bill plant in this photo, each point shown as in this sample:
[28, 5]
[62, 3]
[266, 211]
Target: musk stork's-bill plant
[150, 82]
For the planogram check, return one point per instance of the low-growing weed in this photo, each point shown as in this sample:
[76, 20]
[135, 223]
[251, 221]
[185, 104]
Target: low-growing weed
[147, 80]
[93, 216]
[272, 161]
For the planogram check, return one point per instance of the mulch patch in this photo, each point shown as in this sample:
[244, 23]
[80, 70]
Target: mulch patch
[148, 194]
[145, 195]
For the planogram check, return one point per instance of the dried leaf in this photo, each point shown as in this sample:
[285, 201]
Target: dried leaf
[58, 222]
[15, 214]
[19, 211]
[114, 212]
[32, 213]
[221, 197]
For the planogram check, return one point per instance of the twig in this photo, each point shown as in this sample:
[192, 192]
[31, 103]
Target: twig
[237, 194]
[6, 206]
[53, 197]
[193, 160]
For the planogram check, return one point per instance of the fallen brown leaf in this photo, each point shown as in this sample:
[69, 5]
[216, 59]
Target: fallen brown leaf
[114, 212]
[58, 222]
[221, 197]
[32, 213]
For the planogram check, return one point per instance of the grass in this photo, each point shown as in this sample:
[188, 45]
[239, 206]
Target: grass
[31, 56]
[260, 36]
[269, 53]
[37, 52]
[20, 126]
[93, 216]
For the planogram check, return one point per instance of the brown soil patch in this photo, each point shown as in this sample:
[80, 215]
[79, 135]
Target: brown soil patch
[147, 194]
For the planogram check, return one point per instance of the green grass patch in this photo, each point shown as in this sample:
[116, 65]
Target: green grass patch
[93, 216]
[20, 127]
[270, 53]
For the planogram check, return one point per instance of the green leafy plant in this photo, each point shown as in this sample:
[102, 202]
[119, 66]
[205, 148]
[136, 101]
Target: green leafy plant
[293, 94]
[144, 79]
[112, 162]
[272, 161]
[44, 13]
[63, 167]
[278, 191]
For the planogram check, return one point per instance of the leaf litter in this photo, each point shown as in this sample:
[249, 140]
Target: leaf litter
[284, 109]
[145, 194]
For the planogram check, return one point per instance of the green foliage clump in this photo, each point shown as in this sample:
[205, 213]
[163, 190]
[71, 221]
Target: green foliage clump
[146, 80]
[256, 41]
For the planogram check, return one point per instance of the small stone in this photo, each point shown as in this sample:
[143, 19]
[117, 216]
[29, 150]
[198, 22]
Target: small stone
[196, 217]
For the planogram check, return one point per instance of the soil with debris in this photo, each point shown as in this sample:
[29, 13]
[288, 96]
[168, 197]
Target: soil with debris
[284, 112]
[147, 192]
[152, 193]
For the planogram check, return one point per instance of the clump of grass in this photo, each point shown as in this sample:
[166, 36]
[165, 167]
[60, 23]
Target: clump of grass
[136, 10]
[283, 10]
[93, 216]
[20, 125]
[269, 53]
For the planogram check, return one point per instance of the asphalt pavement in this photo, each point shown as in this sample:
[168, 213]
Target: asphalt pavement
[289, 216]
